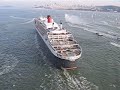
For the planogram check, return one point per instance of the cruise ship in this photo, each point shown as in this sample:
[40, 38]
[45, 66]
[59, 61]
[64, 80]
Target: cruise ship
[59, 41]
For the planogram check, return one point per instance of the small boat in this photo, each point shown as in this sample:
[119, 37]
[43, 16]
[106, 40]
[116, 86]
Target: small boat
[98, 34]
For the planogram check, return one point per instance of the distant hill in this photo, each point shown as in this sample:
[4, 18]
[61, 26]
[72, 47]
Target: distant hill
[6, 6]
[109, 8]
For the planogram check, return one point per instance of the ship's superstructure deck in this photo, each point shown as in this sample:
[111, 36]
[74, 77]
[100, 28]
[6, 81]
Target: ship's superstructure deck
[64, 44]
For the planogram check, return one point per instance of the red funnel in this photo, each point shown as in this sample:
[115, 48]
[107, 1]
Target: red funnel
[49, 19]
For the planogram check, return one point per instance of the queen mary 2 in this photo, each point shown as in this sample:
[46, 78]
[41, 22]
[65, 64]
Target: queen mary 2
[59, 41]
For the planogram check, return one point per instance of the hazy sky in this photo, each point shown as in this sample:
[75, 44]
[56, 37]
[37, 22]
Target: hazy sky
[38, 2]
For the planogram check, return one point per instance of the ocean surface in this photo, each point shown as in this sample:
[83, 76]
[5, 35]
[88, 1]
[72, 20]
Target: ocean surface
[25, 66]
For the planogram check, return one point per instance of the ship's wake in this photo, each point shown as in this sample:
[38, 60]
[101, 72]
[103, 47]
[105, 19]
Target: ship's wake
[30, 21]
[15, 17]
[7, 63]
[115, 44]
[74, 21]
[27, 20]
[78, 83]
[64, 81]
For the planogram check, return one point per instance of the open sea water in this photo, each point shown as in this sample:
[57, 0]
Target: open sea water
[25, 66]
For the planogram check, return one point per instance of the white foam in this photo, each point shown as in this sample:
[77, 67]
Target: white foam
[74, 19]
[115, 44]
[15, 17]
[105, 22]
[106, 34]
[113, 85]
[28, 21]
[8, 63]
[80, 83]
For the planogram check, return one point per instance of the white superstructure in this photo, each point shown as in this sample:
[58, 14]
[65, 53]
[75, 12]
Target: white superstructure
[60, 41]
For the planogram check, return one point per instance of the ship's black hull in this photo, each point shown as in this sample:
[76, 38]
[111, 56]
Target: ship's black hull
[56, 62]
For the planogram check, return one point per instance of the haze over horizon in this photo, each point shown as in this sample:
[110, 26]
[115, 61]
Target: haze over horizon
[30, 3]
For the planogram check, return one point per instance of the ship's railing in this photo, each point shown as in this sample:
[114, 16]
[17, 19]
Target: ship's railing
[66, 54]
[61, 38]
[69, 46]
[62, 33]
[62, 51]
[63, 43]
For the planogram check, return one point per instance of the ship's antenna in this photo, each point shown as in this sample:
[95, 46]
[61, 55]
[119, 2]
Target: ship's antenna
[53, 25]
[60, 24]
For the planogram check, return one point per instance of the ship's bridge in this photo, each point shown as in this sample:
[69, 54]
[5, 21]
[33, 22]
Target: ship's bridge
[49, 23]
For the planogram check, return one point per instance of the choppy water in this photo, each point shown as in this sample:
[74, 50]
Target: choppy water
[25, 66]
